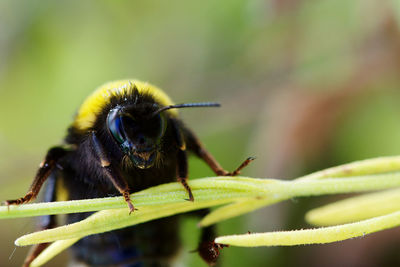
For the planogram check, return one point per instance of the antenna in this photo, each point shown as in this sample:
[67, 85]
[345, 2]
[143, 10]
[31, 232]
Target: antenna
[187, 105]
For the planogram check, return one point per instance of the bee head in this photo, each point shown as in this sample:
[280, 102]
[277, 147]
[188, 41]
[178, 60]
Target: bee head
[138, 130]
[137, 134]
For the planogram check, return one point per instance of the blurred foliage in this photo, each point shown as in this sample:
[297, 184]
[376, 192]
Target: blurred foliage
[304, 85]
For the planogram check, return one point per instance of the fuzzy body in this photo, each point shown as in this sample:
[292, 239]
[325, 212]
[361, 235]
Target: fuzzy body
[153, 243]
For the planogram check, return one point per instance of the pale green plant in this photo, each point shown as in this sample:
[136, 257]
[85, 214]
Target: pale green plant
[238, 195]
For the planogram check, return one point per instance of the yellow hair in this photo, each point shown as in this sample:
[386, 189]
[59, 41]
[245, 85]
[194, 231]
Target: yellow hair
[92, 106]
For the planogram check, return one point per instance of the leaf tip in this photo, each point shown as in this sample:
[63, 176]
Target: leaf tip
[18, 242]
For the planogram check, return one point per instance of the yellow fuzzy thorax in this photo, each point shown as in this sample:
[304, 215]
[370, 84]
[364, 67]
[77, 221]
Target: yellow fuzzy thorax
[93, 104]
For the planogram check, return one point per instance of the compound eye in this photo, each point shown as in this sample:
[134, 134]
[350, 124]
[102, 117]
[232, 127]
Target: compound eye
[114, 125]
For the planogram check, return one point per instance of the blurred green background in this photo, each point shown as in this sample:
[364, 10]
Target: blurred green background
[304, 85]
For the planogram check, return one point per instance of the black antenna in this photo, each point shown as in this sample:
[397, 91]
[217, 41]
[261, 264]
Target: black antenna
[187, 105]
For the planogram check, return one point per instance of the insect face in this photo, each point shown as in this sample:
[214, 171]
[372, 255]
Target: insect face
[138, 133]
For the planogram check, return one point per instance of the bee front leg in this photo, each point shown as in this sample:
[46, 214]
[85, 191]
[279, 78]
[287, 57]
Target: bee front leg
[111, 172]
[182, 172]
[182, 162]
[241, 166]
[198, 148]
[47, 221]
[45, 169]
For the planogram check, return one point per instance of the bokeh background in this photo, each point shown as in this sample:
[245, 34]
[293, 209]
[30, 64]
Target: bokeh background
[304, 85]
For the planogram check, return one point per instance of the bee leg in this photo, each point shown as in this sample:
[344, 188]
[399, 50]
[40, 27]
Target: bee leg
[238, 169]
[208, 250]
[182, 172]
[216, 167]
[46, 222]
[194, 144]
[182, 162]
[45, 169]
[120, 183]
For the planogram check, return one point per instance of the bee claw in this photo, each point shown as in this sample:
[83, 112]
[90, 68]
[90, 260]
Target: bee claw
[131, 207]
[183, 181]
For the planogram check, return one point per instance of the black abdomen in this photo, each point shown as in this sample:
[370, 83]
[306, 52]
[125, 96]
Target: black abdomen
[153, 243]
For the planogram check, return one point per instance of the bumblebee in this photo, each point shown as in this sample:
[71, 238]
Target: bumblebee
[125, 137]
